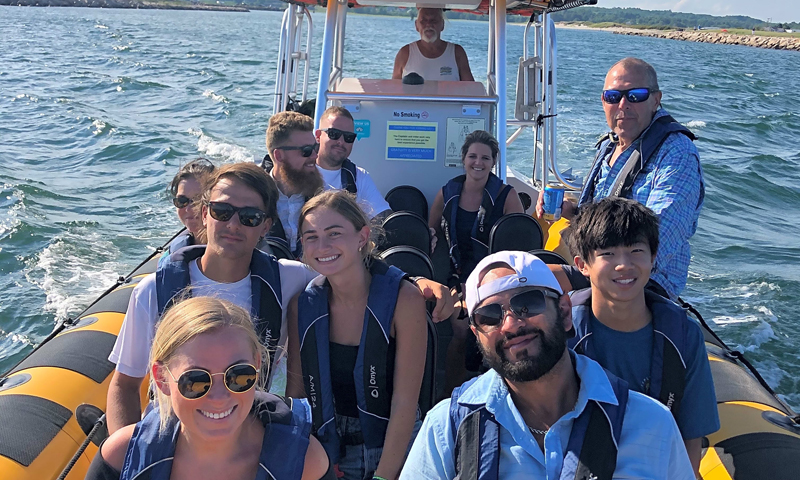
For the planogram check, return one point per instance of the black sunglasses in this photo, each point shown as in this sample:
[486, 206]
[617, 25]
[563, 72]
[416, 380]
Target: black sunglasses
[522, 305]
[633, 95]
[305, 150]
[182, 201]
[248, 216]
[196, 382]
[335, 133]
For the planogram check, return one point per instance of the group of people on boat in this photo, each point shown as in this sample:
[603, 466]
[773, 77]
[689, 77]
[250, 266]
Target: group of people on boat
[589, 370]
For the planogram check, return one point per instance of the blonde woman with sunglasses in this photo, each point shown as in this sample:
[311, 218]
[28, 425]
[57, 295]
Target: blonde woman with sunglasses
[210, 421]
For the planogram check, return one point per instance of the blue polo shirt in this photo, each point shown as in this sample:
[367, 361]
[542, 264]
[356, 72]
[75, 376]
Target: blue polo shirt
[650, 444]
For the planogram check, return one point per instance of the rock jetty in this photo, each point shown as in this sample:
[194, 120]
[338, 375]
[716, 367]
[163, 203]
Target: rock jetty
[776, 43]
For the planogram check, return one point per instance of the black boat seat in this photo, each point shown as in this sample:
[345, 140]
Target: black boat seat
[548, 257]
[276, 246]
[405, 198]
[411, 260]
[516, 231]
[406, 228]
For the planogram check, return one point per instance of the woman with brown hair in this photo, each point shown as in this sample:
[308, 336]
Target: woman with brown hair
[357, 343]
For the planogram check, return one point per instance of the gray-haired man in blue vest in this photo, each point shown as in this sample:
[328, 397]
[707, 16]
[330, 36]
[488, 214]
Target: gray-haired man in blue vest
[542, 411]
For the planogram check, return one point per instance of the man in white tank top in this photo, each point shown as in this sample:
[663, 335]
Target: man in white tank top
[431, 57]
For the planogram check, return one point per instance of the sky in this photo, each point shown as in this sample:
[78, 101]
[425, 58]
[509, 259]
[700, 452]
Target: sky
[778, 10]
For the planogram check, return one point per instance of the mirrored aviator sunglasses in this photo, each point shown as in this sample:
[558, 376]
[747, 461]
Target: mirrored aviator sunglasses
[633, 95]
[182, 201]
[522, 305]
[335, 134]
[196, 382]
[248, 216]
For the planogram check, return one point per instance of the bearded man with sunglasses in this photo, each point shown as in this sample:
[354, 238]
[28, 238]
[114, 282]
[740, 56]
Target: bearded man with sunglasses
[336, 136]
[292, 163]
[648, 157]
[542, 411]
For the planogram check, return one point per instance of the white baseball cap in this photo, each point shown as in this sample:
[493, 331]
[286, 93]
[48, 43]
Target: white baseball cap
[530, 272]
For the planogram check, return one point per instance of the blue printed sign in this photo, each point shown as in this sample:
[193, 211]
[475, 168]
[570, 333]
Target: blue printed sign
[362, 128]
[411, 141]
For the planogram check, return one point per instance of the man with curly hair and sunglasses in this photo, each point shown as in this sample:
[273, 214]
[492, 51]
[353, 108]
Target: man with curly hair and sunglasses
[542, 411]
[336, 136]
[648, 157]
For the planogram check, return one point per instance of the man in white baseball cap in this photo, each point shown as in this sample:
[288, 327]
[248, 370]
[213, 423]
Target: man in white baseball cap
[541, 411]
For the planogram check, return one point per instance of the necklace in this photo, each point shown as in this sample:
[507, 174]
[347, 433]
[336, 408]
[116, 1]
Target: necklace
[536, 431]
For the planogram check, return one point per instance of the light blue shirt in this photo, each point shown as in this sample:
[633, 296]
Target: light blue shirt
[650, 445]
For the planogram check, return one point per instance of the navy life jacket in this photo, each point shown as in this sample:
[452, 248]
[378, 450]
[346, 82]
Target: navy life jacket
[287, 426]
[649, 143]
[185, 239]
[172, 278]
[670, 332]
[371, 373]
[591, 450]
[494, 195]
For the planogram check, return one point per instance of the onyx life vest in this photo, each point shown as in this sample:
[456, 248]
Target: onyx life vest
[287, 426]
[670, 340]
[649, 142]
[591, 449]
[185, 239]
[172, 278]
[490, 211]
[371, 373]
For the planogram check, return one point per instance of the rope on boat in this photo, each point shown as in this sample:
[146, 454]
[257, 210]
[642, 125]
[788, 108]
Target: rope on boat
[99, 423]
[737, 355]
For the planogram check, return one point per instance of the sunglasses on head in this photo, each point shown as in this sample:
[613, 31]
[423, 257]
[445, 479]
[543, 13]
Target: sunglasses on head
[522, 305]
[633, 95]
[248, 216]
[182, 201]
[335, 133]
[305, 150]
[196, 382]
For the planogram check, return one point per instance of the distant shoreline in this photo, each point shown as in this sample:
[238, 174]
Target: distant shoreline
[129, 4]
[705, 36]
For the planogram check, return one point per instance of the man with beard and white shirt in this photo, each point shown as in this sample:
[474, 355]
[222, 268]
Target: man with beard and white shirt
[542, 411]
[336, 136]
[431, 57]
[292, 163]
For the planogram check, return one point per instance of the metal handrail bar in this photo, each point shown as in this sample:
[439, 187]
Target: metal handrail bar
[326, 60]
[546, 100]
[374, 97]
[554, 119]
[490, 54]
[521, 123]
[289, 62]
[500, 65]
[296, 53]
[514, 135]
[279, 78]
[307, 65]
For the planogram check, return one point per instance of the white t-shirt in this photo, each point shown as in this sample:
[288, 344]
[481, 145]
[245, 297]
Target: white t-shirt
[131, 351]
[368, 195]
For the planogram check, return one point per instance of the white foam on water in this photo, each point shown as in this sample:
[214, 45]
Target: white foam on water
[216, 97]
[122, 48]
[10, 221]
[770, 95]
[723, 320]
[101, 26]
[696, 124]
[99, 126]
[229, 152]
[691, 85]
[66, 267]
[748, 74]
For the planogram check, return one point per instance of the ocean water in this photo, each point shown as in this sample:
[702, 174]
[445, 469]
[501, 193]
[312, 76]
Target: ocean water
[99, 108]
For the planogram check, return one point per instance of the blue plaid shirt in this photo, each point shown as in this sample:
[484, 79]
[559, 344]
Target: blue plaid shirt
[670, 184]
